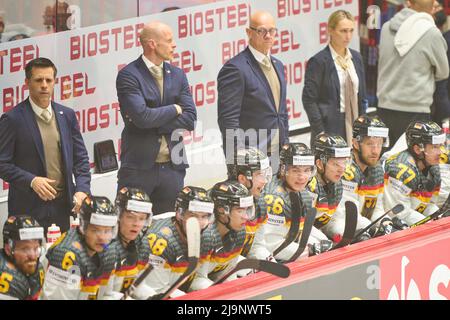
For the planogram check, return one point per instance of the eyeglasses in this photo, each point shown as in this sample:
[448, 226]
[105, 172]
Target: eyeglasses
[263, 32]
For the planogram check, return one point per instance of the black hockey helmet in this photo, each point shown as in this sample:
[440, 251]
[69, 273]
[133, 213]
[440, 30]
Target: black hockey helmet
[296, 154]
[421, 132]
[330, 146]
[22, 227]
[229, 194]
[134, 199]
[97, 210]
[370, 126]
[247, 161]
[194, 199]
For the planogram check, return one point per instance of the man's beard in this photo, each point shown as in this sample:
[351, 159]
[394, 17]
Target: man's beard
[366, 161]
[29, 266]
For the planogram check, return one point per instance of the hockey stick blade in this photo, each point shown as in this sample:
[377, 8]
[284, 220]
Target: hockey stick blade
[295, 222]
[395, 210]
[193, 244]
[276, 269]
[306, 232]
[351, 221]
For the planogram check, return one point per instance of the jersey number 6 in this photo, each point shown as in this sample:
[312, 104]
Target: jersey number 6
[68, 260]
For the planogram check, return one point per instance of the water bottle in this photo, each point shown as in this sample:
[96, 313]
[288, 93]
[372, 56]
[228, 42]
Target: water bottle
[53, 233]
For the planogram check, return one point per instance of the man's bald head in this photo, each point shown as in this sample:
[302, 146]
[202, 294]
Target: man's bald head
[259, 37]
[157, 42]
[153, 30]
[260, 18]
[422, 5]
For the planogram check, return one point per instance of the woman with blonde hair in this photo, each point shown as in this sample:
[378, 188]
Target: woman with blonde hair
[334, 94]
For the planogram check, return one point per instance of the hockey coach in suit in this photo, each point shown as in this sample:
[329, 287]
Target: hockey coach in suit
[42, 153]
[156, 106]
[252, 93]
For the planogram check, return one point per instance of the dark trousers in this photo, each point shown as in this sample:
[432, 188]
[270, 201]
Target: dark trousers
[162, 183]
[56, 211]
[398, 121]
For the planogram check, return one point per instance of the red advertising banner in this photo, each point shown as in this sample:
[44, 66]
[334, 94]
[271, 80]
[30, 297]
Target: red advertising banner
[410, 264]
[418, 274]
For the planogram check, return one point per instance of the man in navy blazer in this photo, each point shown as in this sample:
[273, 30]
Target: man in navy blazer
[322, 90]
[157, 106]
[41, 148]
[251, 96]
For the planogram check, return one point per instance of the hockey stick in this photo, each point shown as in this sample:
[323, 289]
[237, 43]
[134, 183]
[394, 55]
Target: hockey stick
[193, 244]
[351, 221]
[443, 210]
[277, 269]
[432, 216]
[297, 212]
[395, 210]
[137, 282]
[306, 231]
